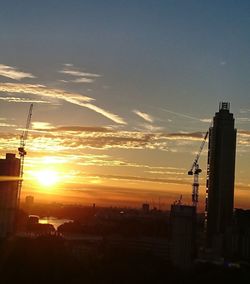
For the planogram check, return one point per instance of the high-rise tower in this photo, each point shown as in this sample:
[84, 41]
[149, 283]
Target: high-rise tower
[9, 180]
[220, 183]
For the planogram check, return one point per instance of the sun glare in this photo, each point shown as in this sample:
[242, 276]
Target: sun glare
[47, 177]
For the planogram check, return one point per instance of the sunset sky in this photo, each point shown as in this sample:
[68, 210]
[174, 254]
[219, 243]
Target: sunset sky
[123, 92]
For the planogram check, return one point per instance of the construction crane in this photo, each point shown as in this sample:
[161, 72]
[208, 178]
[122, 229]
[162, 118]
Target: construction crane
[195, 171]
[22, 152]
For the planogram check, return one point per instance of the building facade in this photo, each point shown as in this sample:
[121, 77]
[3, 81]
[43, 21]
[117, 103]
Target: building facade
[9, 184]
[221, 172]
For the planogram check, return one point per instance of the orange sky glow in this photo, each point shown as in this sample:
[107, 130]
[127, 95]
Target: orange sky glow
[93, 165]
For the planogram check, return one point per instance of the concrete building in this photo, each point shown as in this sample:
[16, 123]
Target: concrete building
[220, 182]
[183, 230]
[9, 174]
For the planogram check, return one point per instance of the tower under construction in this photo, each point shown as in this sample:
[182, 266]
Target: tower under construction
[221, 172]
[9, 184]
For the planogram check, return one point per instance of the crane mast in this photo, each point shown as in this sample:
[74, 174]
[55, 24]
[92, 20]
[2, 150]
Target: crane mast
[195, 171]
[22, 152]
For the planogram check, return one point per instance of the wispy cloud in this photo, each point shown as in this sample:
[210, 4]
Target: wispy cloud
[68, 64]
[64, 140]
[180, 114]
[3, 124]
[79, 73]
[77, 138]
[60, 94]
[243, 133]
[206, 120]
[187, 116]
[98, 140]
[23, 100]
[180, 180]
[13, 73]
[190, 136]
[83, 80]
[243, 139]
[243, 119]
[48, 127]
[43, 91]
[144, 116]
[105, 113]
[82, 77]
[102, 160]
[149, 127]
[245, 110]
[40, 125]
[165, 173]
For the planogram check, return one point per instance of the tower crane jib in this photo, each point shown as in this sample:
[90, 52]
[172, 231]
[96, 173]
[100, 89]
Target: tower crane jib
[21, 149]
[195, 171]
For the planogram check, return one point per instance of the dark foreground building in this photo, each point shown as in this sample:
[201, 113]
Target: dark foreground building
[220, 183]
[9, 174]
[183, 231]
[239, 242]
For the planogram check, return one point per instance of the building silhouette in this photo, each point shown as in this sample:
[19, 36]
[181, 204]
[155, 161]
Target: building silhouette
[239, 244]
[183, 234]
[29, 203]
[220, 181]
[145, 208]
[9, 184]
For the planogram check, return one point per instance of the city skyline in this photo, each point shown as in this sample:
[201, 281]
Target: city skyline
[123, 94]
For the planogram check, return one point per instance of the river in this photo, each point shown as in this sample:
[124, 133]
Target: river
[54, 221]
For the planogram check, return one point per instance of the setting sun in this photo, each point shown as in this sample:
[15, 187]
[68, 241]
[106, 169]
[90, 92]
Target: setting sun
[47, 177]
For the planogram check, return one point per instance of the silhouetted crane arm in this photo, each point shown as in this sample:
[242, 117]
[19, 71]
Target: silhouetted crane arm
[22, 152]
[24, 135]
[191, 171]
